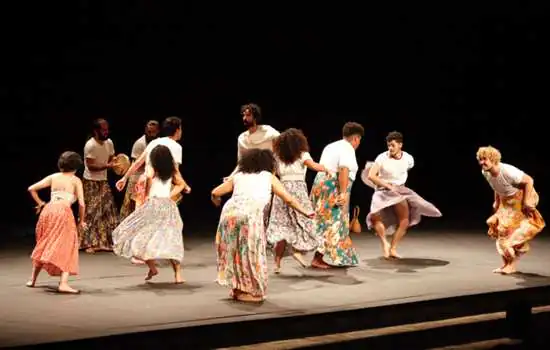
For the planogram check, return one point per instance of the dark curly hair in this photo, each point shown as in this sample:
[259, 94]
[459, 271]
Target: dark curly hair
[290, 145]
[257, 160]
[69, 161]
[255, 110]
[394, 136]
[163, 162]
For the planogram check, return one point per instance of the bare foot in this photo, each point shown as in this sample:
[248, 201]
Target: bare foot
[277, 270]
[65, 288]
[393, 254]
[319, 264]
[90, 250]
[249, 298]
[151, 274]
[386, 249]
[136, 261]
[299, 257]
[178, 279]
[499, 270]
[30, 284]
[508, 270]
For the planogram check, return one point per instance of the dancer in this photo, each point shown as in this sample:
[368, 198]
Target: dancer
[56, 249]
[394, 207]
[240, 237]
[516, 220]
[286, 226]
[257, 136]
[172, 131]
[101, 212]
[330, 196]
[154, 230]
[152, 129]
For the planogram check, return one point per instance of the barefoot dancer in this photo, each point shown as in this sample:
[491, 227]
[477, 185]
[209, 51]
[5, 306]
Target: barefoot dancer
[516, 220]
[102, 216]
[393, 204]
[154, 230]
[151, 132]
[286, 226]
[330, 196]
[56, 249]
[240, 237]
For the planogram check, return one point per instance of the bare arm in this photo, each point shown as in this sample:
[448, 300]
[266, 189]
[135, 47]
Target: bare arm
[223, 189]
[44, 183]
[134, 167]
[496, 204]
[179, 184]
[373, 176]
[315, 166]
[81, 203]
[280, 191]
[527, 184]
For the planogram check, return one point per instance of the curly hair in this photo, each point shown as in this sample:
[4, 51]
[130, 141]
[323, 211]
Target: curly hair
[490, 153]
[163, 162]
[255, 110]
[69, 161]
[257, 160]
[394, 136]
[290, 145]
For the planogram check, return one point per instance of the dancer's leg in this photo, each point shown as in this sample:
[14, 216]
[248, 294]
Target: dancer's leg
[402, 213]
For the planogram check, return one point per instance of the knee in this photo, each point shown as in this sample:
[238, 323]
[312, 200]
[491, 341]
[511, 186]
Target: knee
[404, 223]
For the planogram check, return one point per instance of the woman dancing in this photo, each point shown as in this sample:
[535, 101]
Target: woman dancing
[286, 226]
[240, 237]
[56, 249]
[154, 230]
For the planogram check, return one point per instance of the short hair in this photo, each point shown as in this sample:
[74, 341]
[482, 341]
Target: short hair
[153, 123]
[255, 110]
[290, 145]
[394, 136]
[490, 153]
[353, 128]
[96, 124]
[69, 161]
[170, 126]
[257, 160]
[162, 162]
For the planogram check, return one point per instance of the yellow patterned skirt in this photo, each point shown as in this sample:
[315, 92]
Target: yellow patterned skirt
[512, 227]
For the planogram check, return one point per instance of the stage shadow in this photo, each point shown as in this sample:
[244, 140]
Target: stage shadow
[163, 288]
[404, 265]
[265, 306]
[334, 278]
[527, 279]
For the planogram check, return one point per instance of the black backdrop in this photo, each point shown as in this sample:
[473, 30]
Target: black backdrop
[450, 78]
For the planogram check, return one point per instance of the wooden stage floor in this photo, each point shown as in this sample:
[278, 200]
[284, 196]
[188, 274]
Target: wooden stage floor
[116, 300]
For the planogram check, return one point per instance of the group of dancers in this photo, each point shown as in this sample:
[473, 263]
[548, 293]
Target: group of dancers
[270, 205]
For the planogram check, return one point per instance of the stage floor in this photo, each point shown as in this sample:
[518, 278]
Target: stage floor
[115, 299]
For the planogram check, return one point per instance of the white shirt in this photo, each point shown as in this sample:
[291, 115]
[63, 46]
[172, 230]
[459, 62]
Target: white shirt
[262, 138]
[173, 146]
[252, 187]
[394, 171]
[504, 184]
[340, 154]
[295, 171]
[100, 153]
[137, 149]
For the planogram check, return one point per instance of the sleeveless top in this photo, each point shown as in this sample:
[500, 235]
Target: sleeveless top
[160, 189]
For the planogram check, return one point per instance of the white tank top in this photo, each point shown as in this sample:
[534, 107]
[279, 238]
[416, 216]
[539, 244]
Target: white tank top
[160, 189]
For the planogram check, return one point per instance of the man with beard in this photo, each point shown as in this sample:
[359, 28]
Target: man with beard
[101, 213]
[152, 129]
[257, 136]
[516, 220]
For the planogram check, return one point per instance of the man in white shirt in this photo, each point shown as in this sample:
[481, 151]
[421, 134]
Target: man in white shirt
[330, 196]
[257, 135]
[516, 220]
[172, 129]
[152, 129]
[101, 212]
[393, 204]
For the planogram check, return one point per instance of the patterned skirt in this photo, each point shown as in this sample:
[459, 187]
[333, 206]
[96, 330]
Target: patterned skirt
[332, 222]
[241, 247]
[56, 247]
[383, 201]
[129, 203]
[152, 232]
[286, 224]
[512, 227]
[101, 216]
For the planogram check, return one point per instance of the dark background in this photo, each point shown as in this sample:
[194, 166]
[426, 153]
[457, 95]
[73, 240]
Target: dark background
[450, 77]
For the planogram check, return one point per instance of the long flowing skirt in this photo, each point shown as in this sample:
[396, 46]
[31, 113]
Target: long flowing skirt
[512, 227]
[129, 203]
[286, 224]
[56, 247]
[241, 247]
[101, 216]
[332, 222]
[383, 201]
[152, 232]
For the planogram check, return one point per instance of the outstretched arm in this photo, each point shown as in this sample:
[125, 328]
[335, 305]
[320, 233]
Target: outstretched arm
[315, 166]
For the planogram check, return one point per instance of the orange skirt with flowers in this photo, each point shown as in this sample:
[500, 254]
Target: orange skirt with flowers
[56, 247]
[513, 227]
